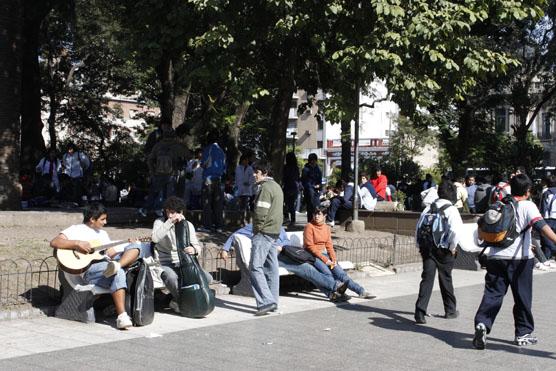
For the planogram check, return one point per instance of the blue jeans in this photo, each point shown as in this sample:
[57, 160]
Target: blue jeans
[324, 281]
[116, 282]
[263, 266]
[335, 204]
[548, 247]
[339, 274]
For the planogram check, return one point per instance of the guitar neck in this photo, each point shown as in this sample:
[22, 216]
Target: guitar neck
[108, 245]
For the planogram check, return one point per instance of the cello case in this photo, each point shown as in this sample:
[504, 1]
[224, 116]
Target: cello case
[196, 299]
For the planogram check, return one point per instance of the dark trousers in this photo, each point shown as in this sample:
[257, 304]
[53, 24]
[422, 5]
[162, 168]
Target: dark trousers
[443, 261]
[335, 204]
[548, 247]
[213, 204]
[312, 200]
[517, 274]
[290, 200]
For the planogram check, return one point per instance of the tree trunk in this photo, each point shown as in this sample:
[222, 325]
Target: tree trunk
[346, 149]
[32, 142]
[232, 150]
[54, 105]
[10, 100]
[460, 157]
[520, 133]
[279, 122]
[165, 73]
[180, 109]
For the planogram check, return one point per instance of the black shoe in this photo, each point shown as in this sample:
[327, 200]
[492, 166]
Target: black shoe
[342, 287]
[452, 315]
[265, 309]
[420, 318]
[479, 341]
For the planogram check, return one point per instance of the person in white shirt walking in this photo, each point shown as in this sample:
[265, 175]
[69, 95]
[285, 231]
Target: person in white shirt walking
[245, 181]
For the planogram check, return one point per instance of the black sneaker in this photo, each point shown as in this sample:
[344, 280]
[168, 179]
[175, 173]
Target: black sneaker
[452, 315]
[420, 318]
[526, 339]
[480, 339]
[266, 309]
[341, 288]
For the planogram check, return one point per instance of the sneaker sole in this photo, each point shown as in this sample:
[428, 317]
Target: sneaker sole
[522, 343]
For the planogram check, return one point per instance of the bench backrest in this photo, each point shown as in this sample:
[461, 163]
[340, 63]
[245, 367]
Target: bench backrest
[242, 244]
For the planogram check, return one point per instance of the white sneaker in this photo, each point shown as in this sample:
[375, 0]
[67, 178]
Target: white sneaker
[550, 264]
[174, 306]
[540, 266]
[331, 224]
[112, 268]
[123, 321]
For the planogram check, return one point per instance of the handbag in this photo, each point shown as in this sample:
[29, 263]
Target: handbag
[298, 254]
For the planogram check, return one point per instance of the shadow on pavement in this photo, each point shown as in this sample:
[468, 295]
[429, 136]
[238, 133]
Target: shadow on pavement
[398, 321]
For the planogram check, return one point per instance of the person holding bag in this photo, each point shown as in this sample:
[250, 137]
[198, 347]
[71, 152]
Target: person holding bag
[317, 239]
[166, 244]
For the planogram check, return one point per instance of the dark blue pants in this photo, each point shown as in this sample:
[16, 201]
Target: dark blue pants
[335, 204]
[548, 247]
[517, 274]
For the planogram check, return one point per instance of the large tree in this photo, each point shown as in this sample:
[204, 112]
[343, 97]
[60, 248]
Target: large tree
[10, 97]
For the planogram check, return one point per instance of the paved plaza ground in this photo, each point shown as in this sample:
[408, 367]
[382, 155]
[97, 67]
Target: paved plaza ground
[308, 332]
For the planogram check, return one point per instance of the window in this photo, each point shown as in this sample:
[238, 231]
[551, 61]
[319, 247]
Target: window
[319, 144]
[293, 103]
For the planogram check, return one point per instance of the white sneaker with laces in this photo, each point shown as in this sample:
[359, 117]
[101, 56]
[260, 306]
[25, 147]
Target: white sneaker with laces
[123, 321]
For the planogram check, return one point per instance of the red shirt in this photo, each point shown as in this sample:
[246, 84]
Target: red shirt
[380, 183]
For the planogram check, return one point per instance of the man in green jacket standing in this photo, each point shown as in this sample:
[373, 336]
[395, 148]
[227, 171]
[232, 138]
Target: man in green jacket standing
[267, 221]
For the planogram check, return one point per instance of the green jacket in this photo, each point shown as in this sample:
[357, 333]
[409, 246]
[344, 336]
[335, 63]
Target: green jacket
[269, 208]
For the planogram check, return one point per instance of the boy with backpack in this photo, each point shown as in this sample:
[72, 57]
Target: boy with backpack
[512, 265]
[438, 233]
[548, 211]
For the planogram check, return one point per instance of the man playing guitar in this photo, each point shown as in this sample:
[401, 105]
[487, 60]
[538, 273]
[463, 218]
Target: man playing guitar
[107, 273]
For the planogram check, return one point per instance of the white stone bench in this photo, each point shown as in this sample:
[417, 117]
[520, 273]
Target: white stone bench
[242, 245]
[78, 296]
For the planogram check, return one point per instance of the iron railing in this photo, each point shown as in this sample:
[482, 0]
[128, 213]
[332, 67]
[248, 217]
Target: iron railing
[36, 282]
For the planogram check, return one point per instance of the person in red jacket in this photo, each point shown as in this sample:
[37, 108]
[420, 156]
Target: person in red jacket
[380, 182]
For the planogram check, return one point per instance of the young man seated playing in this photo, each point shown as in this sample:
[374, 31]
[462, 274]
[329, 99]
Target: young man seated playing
[107, 273]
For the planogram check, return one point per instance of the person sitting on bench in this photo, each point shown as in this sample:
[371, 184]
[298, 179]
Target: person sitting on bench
[324, 281]
[318, 241]
[164, 236]
[107, 273]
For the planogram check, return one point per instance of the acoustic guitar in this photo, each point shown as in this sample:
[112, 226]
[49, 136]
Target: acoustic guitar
[75, 262]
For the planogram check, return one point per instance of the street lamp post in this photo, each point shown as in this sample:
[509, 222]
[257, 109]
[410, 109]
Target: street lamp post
[293, 141]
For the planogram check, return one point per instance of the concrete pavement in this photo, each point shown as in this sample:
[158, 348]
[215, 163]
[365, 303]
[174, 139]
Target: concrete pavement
[308, 332]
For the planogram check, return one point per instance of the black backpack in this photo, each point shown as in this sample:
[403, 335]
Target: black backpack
[432, 228]
[482, 195]
[547, 203]
[139, 300]
[497, 226]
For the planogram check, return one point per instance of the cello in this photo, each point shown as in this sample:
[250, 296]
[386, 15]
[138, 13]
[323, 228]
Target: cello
[195, 299]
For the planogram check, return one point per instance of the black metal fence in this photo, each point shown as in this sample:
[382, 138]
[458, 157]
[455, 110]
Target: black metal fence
[36, 282]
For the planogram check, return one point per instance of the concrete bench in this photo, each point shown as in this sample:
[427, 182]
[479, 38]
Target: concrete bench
[242, 245]
[78, 297]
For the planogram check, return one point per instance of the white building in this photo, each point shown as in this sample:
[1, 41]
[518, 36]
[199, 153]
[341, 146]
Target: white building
[376, 126]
